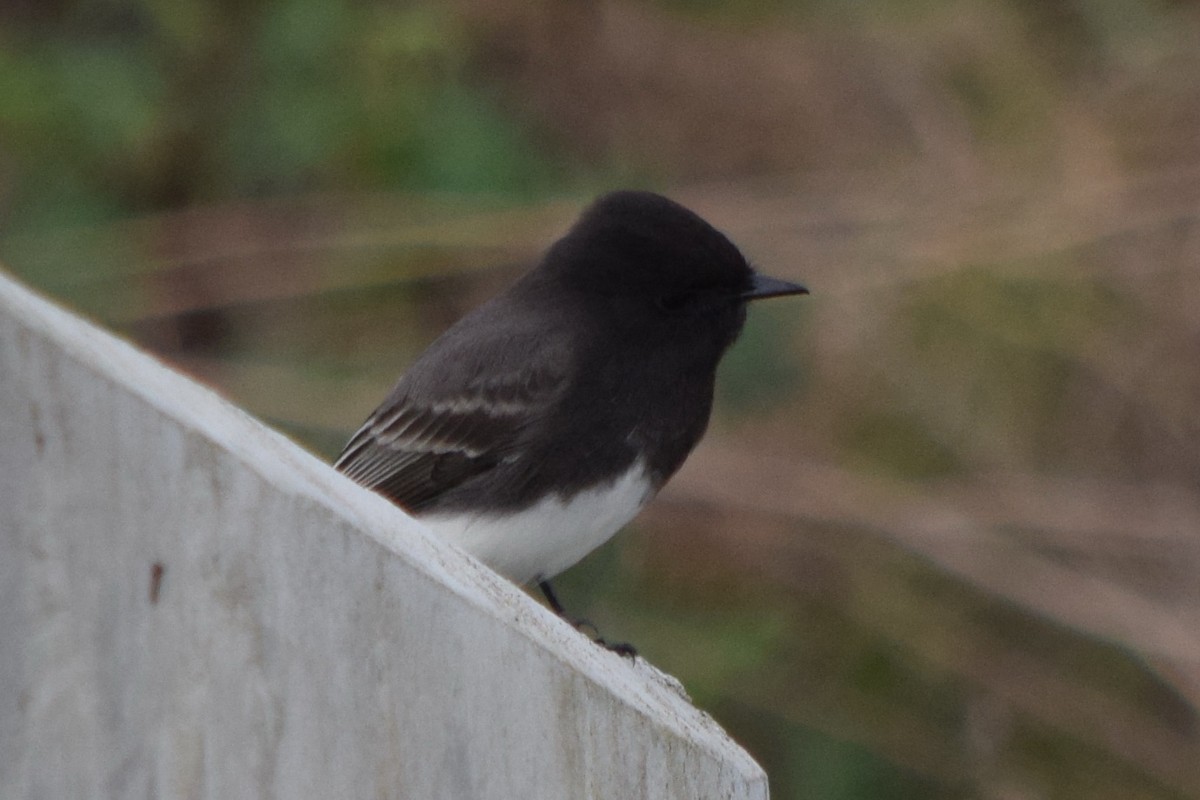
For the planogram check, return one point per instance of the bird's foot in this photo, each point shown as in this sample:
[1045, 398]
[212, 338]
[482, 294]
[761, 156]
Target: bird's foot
[589, 629]
[620, 648]
[580, 623]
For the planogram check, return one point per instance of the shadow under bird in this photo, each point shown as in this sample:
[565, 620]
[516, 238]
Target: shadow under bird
[540, 423]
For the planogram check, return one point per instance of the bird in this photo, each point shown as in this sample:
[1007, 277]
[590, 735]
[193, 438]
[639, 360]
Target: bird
[539, 424]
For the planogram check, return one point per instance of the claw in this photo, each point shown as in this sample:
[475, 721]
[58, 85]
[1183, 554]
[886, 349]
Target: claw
[579, 623]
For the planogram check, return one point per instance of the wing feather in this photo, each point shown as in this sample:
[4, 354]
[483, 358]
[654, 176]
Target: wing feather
[429, 437]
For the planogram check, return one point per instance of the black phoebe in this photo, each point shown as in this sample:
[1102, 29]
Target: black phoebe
[540, 423]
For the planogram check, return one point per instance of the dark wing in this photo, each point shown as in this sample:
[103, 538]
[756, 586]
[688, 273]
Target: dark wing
[435, 432]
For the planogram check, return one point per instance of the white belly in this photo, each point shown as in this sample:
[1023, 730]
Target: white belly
[547, 538]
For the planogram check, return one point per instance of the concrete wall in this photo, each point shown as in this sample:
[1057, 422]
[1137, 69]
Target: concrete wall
[191, 606]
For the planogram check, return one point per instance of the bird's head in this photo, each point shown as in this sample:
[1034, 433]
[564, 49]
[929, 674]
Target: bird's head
[641, 249]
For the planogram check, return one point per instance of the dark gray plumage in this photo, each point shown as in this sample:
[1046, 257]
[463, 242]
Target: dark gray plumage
[601, 358]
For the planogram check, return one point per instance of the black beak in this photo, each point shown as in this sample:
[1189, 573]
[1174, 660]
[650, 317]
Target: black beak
[762, 286]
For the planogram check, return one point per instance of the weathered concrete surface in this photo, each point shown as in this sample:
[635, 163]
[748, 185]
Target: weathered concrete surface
[303, 639]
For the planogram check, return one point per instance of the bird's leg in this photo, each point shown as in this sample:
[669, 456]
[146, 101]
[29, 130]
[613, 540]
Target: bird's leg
[552, 599]
[578, 623]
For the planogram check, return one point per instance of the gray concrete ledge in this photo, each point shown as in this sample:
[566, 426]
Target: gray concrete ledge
[191, 606]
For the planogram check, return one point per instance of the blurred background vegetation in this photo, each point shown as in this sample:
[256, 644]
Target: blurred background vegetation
[943, 539]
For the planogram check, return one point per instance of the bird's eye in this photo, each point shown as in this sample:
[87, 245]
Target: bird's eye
[674, 303]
